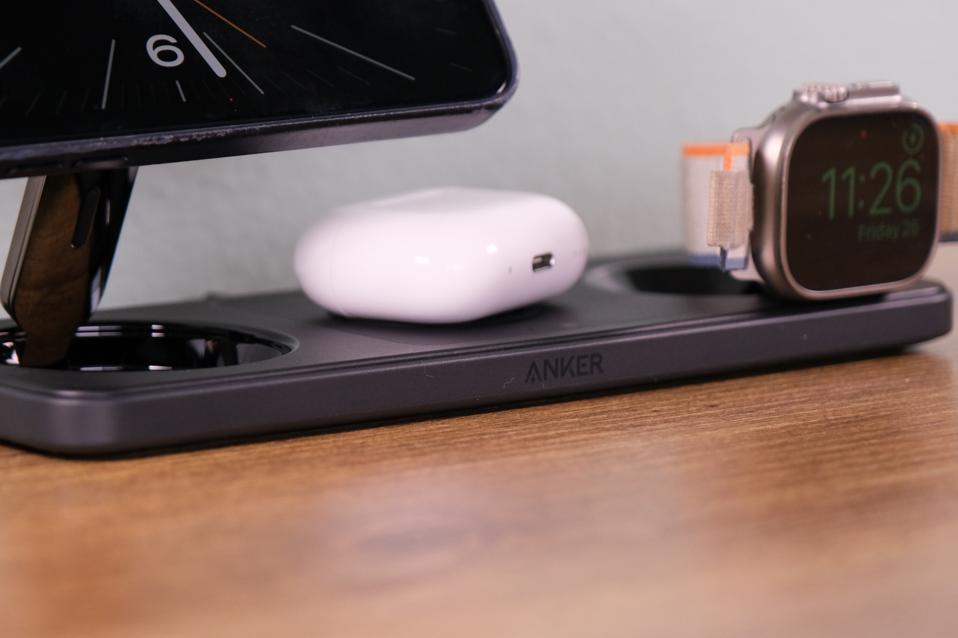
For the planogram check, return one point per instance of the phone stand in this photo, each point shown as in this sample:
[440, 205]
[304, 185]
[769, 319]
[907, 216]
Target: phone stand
[57, 269]
[60, 257]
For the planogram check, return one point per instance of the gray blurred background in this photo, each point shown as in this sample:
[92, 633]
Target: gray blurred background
[608, 93]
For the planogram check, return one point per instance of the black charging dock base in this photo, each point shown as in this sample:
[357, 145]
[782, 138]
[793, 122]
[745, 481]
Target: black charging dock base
[222, 370]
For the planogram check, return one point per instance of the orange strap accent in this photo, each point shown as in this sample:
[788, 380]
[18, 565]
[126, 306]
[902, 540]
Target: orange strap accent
[728, 151]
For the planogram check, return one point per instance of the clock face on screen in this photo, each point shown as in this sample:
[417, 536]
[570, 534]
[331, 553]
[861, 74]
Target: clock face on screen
[862, 200]
[87, 68]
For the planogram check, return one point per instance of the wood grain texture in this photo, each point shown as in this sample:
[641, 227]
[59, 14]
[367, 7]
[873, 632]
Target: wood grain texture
[813, 502]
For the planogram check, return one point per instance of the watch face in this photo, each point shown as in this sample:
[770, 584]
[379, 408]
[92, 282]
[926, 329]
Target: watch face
[105, 67]
[862, 200]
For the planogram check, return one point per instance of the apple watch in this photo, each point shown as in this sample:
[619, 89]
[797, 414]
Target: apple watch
[844, 191]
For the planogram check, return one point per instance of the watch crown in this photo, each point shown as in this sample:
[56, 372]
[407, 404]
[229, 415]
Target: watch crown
[818, 93]
[822, 92]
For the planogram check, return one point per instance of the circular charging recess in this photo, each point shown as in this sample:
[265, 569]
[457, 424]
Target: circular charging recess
[688, 280]
[669, 279]
[143, 347]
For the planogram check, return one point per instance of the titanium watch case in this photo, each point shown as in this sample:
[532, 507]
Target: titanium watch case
[772, 144]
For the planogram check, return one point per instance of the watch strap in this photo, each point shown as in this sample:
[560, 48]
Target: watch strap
[718, 204]
[948, 204]
[718, 200]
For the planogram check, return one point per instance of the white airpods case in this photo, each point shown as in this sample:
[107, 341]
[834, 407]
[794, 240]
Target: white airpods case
[442, 256]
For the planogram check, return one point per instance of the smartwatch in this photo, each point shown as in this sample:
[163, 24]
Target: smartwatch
[844, 191]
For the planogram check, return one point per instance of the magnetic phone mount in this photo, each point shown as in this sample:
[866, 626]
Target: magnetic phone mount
[63, 246]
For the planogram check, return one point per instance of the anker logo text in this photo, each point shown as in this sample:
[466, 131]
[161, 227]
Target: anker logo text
[558, 368]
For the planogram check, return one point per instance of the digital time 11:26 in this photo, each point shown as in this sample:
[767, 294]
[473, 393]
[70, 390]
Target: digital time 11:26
[896, 189]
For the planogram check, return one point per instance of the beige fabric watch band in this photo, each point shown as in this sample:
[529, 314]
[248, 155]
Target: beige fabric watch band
[718, 204]
[718, 199]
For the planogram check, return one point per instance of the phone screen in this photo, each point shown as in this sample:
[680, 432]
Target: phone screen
[100, 68]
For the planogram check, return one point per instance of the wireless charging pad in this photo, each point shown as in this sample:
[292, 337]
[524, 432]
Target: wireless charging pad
[223, 369]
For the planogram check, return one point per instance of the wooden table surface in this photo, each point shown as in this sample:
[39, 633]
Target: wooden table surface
[812, 502]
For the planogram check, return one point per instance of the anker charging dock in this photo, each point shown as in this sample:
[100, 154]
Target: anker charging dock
[221, 370]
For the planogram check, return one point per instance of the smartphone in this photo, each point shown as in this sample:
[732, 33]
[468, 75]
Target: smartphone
[106, 84]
